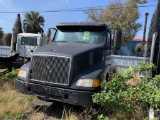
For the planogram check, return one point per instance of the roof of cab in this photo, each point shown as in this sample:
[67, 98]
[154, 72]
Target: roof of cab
[92, 24]
[29, 34]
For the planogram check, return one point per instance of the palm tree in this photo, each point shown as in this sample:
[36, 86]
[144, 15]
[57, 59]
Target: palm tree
[33, 22]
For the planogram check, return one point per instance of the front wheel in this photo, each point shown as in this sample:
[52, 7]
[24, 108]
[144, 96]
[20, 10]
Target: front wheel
[107, 78]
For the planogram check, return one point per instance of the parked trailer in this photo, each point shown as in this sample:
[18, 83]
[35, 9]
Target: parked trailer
[5, 51]
[6, 58]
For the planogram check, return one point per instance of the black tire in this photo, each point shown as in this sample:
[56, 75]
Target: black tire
[107, 78]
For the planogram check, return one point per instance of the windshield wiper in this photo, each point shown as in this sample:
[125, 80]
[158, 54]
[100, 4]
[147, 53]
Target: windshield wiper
[60, 41]
[81, 41]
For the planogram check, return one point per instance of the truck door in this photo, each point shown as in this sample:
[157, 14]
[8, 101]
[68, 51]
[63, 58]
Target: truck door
[156, 56]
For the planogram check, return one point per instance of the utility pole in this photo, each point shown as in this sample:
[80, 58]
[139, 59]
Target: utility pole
[145, 24]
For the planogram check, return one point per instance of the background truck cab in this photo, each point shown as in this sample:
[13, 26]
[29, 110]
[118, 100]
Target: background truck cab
[27, 43]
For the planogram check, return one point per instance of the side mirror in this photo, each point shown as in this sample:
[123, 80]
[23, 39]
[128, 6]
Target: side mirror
[117, 39]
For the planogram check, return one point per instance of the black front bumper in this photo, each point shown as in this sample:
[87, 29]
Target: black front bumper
[49, 93]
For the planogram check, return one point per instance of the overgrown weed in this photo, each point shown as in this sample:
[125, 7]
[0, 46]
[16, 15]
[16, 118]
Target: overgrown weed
[129, 93]
[13, 104]
[86, 113]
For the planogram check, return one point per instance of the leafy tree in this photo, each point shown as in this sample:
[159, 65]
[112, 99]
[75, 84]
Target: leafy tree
[1, 36]
[121, 15]
[7, 39]
[33, 22]
[1, 33]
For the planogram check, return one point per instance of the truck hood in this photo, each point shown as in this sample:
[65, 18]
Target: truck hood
[67, 49]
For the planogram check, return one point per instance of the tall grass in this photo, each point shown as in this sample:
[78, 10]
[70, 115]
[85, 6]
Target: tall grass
[86, 113]
[7, 81]
[17, 106]
[12, 103]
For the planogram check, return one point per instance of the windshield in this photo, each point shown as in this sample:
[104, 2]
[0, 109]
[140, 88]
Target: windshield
[81, 35]
[30, 41]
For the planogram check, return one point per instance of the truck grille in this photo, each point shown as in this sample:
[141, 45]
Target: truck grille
[50, 69]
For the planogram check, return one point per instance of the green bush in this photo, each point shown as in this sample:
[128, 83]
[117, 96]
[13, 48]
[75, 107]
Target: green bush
[129, 92]
[7, 80]
[10, 76]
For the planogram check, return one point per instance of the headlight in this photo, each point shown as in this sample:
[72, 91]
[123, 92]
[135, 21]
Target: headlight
[22, 73]
[88, 83]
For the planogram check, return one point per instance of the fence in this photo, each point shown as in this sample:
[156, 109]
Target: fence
[123, 62]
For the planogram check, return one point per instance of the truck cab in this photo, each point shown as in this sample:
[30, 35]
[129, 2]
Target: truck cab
[70, 68]
[27, 43]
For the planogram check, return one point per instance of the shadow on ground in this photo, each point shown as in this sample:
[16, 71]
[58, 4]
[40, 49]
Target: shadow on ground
[58, 110]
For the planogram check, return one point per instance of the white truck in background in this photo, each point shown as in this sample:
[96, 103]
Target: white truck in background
[27, 43]
[21, 49]
[24, 46]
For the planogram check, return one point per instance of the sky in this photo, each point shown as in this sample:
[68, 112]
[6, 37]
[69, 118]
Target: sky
[7, 19]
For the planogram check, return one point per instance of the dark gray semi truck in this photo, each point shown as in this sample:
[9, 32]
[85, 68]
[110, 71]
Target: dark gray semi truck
[70, 68]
